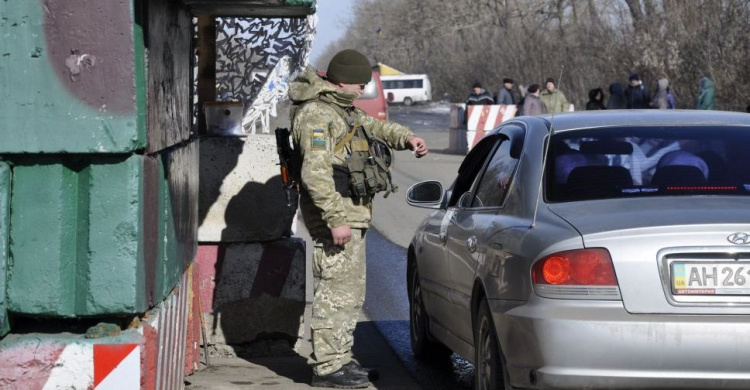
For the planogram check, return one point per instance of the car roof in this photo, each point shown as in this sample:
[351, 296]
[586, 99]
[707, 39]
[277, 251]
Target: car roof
[615, 118]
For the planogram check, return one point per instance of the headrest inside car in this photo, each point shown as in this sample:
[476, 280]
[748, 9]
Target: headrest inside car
[600, 176]
[678, 175]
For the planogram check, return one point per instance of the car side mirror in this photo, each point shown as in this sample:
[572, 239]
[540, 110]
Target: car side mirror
[427, 194]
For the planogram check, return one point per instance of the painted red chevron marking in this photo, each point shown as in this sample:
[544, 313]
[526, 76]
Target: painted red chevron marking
[107, 357]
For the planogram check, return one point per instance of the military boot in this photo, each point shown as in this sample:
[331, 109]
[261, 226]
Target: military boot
[370, 373]
[341, 379]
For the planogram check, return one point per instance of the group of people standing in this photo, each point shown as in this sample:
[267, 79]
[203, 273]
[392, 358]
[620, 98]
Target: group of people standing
[551, 100]
[534, 102]
[637, 96]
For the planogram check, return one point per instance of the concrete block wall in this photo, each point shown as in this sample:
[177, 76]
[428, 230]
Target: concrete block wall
[72, 82]
[4, 241]
[74, 76]
[103, 235]
[252, 289]
[155, 354]
[241, 194]
[76, 230]
[104, 208]
[178, 214]
[169, 74]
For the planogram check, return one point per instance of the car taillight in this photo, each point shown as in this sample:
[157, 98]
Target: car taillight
[382, 116]
[576, 274]
[581, 267]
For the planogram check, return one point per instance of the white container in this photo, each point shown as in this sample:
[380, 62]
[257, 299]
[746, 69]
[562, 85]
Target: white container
[224, 119]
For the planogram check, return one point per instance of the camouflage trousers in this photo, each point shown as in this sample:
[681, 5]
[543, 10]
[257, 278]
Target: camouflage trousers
[339, 275]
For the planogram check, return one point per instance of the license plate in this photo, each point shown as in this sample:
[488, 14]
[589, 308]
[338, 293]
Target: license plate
[713, 278]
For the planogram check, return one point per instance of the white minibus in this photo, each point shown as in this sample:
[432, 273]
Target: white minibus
[407, 89]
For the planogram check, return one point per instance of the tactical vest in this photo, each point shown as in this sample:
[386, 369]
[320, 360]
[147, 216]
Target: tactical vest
[367, 169]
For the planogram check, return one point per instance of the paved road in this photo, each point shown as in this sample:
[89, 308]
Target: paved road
[393, 217]
[394, 222]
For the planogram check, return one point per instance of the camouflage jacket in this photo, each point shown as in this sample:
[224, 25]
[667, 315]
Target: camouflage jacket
[316, 129]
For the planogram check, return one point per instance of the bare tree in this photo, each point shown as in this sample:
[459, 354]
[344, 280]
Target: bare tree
[596, 42]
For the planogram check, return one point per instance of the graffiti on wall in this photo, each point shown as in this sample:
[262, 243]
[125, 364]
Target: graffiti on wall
[255, 59]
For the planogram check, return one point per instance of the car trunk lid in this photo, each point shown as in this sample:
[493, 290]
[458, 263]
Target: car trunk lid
[656, 243]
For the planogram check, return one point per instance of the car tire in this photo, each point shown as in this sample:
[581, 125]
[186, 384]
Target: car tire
[422, 346]
[408, 101]
[490, 371]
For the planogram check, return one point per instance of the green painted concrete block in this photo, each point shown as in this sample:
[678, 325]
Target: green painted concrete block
[97, 236]
[72, 77]
[75, 238]
[114, 240]
[178, 210]
[4, 220]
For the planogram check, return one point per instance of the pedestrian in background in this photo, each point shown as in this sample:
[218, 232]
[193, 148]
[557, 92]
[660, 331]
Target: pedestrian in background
[553, 99]
[637, 95]
[705, 94]
[532, 104]
[596, 100]
[505, 94]
[479, 96]
[748, 109]
[336, 204]
[616, 97]
[663, 98]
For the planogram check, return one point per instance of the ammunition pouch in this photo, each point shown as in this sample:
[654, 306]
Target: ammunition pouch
[367, 170]
[369, 173]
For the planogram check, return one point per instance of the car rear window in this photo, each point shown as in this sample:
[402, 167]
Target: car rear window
[622, 162]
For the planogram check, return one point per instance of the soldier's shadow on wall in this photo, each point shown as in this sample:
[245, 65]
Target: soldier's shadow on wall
[215, 168]
[259, 296]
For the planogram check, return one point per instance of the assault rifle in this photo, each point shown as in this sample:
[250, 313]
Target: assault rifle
[285, 162]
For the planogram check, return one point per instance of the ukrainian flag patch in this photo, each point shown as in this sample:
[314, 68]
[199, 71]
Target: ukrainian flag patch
[318, 139]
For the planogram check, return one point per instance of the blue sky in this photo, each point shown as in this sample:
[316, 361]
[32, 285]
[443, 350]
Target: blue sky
[333, 16]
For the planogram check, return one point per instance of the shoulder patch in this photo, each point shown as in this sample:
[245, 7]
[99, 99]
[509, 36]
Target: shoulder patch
[318, 139]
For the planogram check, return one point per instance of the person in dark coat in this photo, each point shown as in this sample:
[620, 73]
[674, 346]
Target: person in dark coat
[616, 97]
[748, 109]
[596, 100]
[479, 96]
[505, 93]
[637, 95]
[532, 104]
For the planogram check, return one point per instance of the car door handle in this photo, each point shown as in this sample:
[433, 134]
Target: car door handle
[471, 243]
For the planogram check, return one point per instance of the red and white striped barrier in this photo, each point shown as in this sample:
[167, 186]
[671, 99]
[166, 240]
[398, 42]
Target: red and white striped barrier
[166, 337]
[482, 119]
[156, 355]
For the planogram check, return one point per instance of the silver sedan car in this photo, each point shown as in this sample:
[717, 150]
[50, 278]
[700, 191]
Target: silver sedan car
[605, 250]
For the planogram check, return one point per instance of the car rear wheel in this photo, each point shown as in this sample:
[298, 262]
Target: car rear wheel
[490, 372]
[421, 345]
[408, 101]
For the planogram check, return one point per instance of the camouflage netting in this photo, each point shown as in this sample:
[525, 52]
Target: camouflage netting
[247, 49]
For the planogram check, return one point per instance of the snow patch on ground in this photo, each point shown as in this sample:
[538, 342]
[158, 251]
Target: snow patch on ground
[436, 107]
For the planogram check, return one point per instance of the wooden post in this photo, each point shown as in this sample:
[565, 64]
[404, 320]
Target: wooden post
[206, 66]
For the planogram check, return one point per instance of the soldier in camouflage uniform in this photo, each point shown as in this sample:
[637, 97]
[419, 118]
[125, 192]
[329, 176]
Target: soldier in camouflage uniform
[323, 116]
